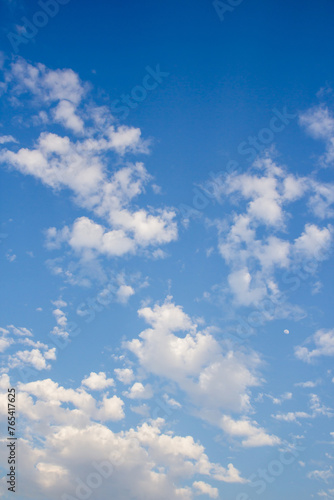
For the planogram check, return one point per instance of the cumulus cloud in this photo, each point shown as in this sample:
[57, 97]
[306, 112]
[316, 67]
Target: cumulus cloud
[206, 489]
[314, 242]
[253, 436]
[98, 381]
[195, 361]
[124, 293]
[111, 409]
[159, 463]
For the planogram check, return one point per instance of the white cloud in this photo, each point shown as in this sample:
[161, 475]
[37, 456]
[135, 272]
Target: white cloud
[125, 138]
[321, 475]
[60, 329]
[10, 256]
[319, 123]
[253, 435]
[124, 375]
[86, 234]
[49, 391]
[4, 381]
[139, 391]
[195, 360]
[98, 381]
[315, 405]
[306, 385]
[20, 331]
[111, 409]
[7, 138]
[314, 242]
[205, 489]
[240, 282]
[171, 402]
[322, 199]
[59, 303]
[5, 343]
[291, 416]
[65, 114]
[250, 239]
[318, 408]
[46, 85]
[159, 464]
[279, 400]
[326, 494]
[324, 346]
[35, 358]
[83, 166]
[124, 293]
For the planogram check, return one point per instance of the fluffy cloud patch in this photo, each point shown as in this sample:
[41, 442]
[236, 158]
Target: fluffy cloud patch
[158, 463]
[111, 409]
[43, 85]
[206, 489]
[324, 346]
[253, 435]
[194, 360]
[250, 240]
[314, 242]
[35, 358]
[82, 165]
[98, 381]
[124, 375]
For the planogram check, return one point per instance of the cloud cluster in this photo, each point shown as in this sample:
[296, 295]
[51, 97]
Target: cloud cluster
[215, 378]
[89, 162]
[64, 441]
[37, 358]
[251, 243]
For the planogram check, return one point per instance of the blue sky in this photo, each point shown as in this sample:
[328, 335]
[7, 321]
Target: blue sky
[167, 248]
